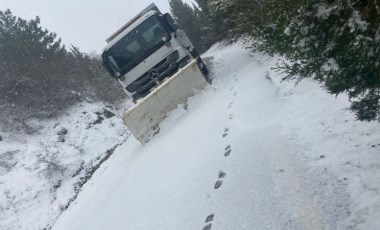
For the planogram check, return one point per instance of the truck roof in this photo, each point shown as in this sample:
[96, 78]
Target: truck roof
[151, 7]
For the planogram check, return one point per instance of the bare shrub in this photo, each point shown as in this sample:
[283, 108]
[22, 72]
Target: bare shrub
[50, 160]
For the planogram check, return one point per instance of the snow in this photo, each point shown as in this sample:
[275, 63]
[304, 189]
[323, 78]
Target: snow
[39, 171]
[250, 152]
[287, 31]
[330, 65]
[356, 22]
[323, 12]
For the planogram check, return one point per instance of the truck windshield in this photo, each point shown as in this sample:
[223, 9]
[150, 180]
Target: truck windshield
[136, 45]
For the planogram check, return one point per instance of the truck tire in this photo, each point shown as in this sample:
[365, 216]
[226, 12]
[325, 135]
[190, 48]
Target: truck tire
[202, 66]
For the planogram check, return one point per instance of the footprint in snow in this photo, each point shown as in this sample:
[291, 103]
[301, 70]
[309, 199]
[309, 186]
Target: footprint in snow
[230, 105]
[219, 182]
[209, 219]
[230, 116]
[225, 132]
[232, 88]
[235, 93]
[222, 175]
[227, 151]
[207, 227]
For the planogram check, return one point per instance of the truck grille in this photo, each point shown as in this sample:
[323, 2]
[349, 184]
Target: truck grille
[143, 85]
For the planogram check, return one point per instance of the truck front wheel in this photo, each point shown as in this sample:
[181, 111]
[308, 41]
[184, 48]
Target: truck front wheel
[202, 66]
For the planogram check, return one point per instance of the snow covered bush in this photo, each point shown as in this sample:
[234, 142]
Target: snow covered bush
[336, 42]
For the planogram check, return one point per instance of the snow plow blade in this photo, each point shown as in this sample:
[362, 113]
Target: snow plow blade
[144, 117]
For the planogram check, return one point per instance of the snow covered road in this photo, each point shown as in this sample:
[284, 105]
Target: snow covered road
[228, 162]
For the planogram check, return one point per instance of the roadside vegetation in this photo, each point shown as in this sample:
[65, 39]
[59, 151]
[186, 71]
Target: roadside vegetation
[335, 42]
[40, 77]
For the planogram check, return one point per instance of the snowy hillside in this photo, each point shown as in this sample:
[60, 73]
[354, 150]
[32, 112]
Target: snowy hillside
[43, 164]
[249, 152]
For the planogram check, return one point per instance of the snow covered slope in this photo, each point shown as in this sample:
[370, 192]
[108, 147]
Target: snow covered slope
[44, 163]
[248, 153]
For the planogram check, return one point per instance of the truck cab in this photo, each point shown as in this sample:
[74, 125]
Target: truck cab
[146, 51]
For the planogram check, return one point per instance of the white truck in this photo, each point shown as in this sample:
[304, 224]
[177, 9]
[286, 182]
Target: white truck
[157, 66]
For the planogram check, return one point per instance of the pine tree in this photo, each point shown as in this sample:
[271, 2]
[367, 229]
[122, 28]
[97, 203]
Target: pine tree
[195, 21]
[26, 53]
[39, 77]
[209, 34]
[188, 20]
[25, 43]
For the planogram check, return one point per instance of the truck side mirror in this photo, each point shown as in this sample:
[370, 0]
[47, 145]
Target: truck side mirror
[171, 23]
